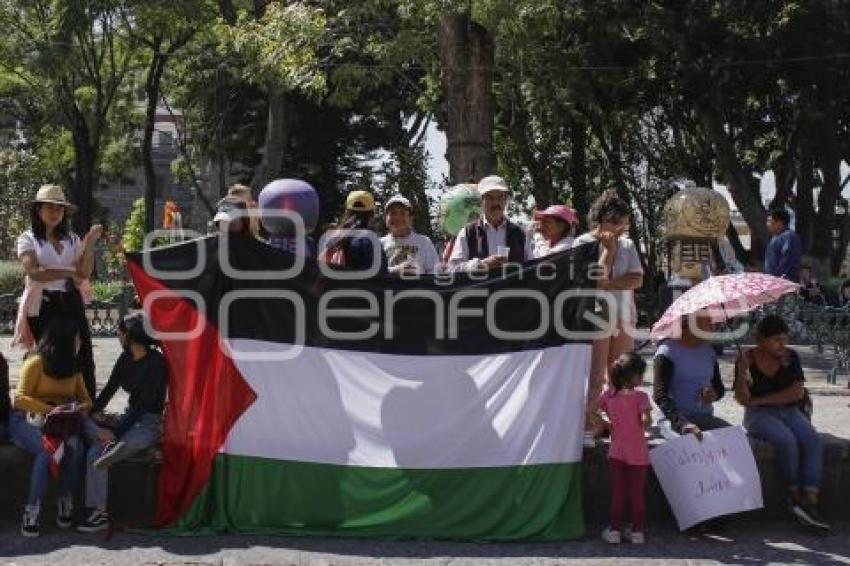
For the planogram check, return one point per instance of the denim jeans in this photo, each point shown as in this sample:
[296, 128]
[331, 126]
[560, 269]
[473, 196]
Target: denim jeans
[797, 443]
[28, 437]
[143, 434]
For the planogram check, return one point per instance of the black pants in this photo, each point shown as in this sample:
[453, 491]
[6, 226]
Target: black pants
[58, 304]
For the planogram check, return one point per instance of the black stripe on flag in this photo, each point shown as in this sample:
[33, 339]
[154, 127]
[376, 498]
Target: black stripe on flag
[392, 315]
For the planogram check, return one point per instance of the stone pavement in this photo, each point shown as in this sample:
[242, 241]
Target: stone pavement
[780, 543]
[831, 402]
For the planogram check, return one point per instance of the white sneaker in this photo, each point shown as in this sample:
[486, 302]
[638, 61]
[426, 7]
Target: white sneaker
[29, 524]
[612, 536]
[637, 538]
[588, 441]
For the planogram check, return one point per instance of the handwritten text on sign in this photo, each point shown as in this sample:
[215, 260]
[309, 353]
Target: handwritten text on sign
[707, 479]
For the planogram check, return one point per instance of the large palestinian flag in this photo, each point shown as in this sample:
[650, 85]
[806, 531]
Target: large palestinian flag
[376, 407]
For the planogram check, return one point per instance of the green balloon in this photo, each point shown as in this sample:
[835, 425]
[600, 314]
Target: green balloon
[460, 205]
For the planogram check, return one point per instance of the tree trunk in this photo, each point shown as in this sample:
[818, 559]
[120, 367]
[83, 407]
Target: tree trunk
[829, 161]
[578, 167]
[744, 190]
[152, 85]
[742, 254]
[466, 54]
[805, 211]
[278, 133]
[82, 188]
[85, 169]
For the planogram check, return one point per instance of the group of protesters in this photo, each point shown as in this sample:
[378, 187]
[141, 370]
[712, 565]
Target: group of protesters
[768, 379]
[56, 410]
[55, 413]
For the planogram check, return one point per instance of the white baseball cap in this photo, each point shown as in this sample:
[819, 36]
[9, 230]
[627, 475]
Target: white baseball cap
[398, 199]
[492, 183]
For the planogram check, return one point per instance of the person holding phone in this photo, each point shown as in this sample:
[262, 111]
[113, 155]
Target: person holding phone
[610, 218]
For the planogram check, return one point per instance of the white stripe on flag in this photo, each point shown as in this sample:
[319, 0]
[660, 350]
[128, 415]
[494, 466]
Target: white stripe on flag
[425, 412]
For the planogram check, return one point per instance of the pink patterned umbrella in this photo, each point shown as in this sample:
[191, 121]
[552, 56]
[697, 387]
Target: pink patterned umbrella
[723, 297]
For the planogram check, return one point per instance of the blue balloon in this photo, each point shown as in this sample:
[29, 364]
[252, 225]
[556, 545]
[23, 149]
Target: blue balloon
[294, 195]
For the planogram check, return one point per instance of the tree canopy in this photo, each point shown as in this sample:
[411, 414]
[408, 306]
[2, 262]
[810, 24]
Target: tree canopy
[563, 98]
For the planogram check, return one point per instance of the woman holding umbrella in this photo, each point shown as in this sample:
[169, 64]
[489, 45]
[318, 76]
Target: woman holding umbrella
[769, 384]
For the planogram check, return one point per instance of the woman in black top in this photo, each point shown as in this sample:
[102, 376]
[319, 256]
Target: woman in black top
[769, 383]
[141, 370]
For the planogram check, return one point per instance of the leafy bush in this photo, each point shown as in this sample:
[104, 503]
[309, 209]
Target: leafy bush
[134, 230]
[11, 277]
[106, 291]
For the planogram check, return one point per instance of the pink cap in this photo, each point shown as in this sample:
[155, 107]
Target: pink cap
[565, 213]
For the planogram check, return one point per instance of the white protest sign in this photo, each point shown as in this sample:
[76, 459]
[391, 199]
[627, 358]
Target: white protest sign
[707, 479]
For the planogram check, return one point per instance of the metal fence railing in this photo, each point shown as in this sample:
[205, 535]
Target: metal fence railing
[103, 316]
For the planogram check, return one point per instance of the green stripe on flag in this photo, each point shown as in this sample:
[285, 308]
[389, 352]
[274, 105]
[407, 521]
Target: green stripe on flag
[538, 502]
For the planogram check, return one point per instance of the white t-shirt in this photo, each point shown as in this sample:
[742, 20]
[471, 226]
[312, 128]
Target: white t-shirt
[626, 260]
[49, 258]
[542, 247]
[414, 248]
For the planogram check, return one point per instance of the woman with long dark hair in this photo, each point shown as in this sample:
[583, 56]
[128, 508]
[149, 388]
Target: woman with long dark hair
[49, 379]
[56, 262]
[769, 384]
[142, 372]
[610, 217]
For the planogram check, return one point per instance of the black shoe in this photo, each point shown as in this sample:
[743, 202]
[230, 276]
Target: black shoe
[65, 512]
[808, 515]
[29, 524]
[97, 521]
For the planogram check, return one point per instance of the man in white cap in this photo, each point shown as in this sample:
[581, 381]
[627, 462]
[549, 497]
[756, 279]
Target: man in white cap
[407, 251]
[492, 240]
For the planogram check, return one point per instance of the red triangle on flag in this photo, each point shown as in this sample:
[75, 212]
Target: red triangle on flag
[206, 396]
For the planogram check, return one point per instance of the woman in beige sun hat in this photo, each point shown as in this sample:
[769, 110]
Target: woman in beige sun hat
[56, 262]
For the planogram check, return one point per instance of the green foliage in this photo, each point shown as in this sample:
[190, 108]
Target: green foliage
[19, 179]
[107, 291]
[280, 48]
[119, 156]
[11, 278]
[589, 94]
[113, 253]
[133, 238]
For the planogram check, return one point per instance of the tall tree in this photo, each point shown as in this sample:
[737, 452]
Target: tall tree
[466, 52]
[161, 28]
[73, 58]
